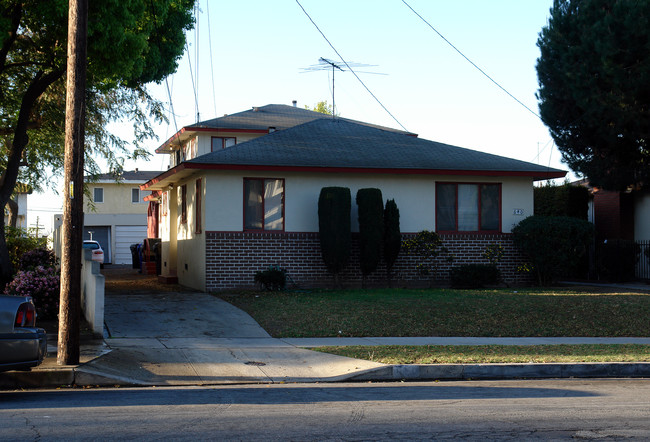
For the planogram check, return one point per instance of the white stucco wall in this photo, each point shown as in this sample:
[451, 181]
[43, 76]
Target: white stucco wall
[117, 198]
[182, 247]
[414, 195]
[642, 217]
[204, 144]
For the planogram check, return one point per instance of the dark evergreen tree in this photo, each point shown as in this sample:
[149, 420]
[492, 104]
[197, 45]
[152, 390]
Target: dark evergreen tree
[594, 94]
[392, 237]
[371, 229]
[334, 228]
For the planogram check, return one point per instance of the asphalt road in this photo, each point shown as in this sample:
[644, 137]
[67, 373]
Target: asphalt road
[495, 410]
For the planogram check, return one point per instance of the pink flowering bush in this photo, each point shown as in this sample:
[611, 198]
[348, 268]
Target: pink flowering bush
[41, 256]
[42, 284]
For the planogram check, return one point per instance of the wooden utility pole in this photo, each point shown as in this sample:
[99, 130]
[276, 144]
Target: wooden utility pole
[70, 304]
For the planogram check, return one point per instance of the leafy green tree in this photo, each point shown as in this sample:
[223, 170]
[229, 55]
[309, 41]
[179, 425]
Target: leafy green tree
[371, 229]
[392, 237]
[594, 94]
[322, 107]
[334, 228]
[130, 44]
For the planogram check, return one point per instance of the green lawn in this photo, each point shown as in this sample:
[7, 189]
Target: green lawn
[446, 312]
[488, 354]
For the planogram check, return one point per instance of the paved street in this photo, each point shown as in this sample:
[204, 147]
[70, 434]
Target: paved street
[494, 410]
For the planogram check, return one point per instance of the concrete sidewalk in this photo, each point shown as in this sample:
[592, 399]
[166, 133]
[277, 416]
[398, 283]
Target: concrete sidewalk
[180, 338]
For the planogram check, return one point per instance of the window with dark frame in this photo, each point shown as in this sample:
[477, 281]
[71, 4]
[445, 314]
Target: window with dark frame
[219, 143]
[184, 204]
[135, 195]
[98, 194]
[468, 207]
[264, 204]
[197, 206]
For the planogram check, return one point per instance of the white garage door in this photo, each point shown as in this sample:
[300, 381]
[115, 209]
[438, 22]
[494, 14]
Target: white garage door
[124, 237]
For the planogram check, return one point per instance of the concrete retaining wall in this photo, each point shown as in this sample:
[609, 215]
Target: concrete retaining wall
[92, 293]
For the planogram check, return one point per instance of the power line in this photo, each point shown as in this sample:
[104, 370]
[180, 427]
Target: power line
[196, 98]
[348, 66]
[471, 62]
[196, 57]
[214, 93]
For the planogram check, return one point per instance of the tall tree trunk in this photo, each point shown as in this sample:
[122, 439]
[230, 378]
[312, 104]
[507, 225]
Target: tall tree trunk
[70, 305]
[12, 205]
[39, 84]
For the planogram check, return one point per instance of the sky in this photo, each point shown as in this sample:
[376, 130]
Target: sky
[256, 52]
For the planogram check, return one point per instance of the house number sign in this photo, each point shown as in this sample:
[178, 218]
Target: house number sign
[518, 212]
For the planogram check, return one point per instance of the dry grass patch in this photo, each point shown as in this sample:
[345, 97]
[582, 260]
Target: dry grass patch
[491, 354]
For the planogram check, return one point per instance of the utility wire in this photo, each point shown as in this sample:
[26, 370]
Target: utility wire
[189, 61]
[214, 93]
[348, 66]
[471, 62]
[196, 56]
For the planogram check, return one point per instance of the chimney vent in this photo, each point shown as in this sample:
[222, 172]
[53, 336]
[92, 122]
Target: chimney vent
[295, 103]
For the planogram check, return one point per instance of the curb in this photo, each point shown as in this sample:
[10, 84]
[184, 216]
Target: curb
[504, 371]
[41, 378]
[78, 376]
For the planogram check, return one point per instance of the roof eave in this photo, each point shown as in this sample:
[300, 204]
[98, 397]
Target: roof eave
[185, 169]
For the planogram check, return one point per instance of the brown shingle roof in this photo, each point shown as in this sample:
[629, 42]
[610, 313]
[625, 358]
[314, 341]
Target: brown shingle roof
[341, 144]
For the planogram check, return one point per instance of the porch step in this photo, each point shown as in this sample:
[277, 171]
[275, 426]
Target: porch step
[168, 279]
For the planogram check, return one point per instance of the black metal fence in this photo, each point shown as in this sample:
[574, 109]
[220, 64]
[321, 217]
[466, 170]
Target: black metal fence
[621, 260]
[642, 270]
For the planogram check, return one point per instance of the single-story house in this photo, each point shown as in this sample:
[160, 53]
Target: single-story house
[619, 214]
[242, 195]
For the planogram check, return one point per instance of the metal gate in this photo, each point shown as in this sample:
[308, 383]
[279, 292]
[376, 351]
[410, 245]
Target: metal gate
[642, 270]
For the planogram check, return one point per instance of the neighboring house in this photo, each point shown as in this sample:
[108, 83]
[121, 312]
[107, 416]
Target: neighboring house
[20, 197]
[242, 194]
[115, 212]
[619, 215]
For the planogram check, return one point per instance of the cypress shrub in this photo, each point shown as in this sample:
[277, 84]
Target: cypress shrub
[334, 227]
[392, 236]
[371, 229]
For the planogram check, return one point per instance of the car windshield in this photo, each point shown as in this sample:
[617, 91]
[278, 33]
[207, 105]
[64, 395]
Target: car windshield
[91, 245]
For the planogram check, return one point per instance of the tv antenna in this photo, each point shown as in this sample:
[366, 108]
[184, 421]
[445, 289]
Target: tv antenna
[325, 64]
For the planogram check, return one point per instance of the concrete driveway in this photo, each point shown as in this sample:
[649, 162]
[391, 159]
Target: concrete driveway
[190, 338]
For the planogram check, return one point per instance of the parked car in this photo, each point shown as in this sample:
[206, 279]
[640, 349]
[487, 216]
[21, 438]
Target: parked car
[98, 252]
[22, 345]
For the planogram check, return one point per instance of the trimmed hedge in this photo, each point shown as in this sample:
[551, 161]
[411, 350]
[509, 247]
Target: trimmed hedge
[272, 279]
[474, 276]
[564, 200]
[555, 245]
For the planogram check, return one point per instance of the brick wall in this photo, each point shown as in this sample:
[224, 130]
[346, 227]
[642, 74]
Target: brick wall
[233, 258]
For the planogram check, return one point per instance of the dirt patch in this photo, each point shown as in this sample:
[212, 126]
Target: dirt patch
[123, 280]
